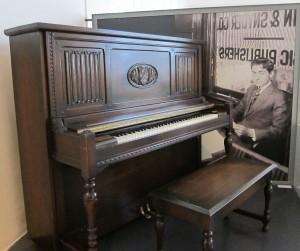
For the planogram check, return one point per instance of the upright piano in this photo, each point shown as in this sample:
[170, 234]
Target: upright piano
[104, 117]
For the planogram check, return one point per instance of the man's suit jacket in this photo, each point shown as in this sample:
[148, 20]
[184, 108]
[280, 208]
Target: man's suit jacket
[268, 115]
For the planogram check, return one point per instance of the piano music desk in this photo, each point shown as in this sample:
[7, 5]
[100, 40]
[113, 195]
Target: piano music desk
[216, 189]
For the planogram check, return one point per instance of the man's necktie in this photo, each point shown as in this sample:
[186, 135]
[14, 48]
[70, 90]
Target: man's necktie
[255, 95]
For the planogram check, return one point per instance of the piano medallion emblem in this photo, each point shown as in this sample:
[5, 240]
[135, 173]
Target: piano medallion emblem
[142, 75]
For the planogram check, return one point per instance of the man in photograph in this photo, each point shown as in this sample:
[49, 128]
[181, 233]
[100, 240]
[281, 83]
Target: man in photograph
[261, 118]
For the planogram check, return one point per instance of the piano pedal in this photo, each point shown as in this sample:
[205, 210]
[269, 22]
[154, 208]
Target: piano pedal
[147, 212]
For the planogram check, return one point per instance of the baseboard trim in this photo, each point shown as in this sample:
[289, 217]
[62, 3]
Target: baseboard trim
[16, 242]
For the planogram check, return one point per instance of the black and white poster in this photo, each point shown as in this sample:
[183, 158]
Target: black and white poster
[255, 54]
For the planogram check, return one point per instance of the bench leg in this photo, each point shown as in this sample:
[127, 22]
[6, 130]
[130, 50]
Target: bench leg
[159, 228]
[266, 217]
[207, 243]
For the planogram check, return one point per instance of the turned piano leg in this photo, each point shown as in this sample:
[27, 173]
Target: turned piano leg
[90, 201]
[207, 243]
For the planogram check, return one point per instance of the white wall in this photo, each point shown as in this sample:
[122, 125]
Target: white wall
[72, 12]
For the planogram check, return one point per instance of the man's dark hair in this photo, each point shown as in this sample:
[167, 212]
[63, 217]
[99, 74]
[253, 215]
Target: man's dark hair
[266, 63]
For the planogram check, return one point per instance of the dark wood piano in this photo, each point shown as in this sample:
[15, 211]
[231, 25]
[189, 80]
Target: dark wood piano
[104, 117]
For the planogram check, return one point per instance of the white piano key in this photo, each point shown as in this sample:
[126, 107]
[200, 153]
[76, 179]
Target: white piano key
[163, 128]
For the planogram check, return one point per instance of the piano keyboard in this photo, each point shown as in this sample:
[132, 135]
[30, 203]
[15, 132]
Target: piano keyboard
[124, 138]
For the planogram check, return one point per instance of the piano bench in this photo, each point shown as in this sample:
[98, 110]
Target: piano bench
[213, 190]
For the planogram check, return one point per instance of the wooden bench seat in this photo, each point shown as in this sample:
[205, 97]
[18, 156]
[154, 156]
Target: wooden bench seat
[215, 189]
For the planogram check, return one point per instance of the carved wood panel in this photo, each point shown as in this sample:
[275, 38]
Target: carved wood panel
[185, 73]
[77, 80]
[90, 74]
[84, 76]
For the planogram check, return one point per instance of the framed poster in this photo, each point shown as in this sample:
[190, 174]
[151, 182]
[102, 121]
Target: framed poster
[243, 40]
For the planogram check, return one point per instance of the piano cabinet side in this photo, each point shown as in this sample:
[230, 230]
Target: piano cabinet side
[34, 136]
[42, 180]
[78, 150]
